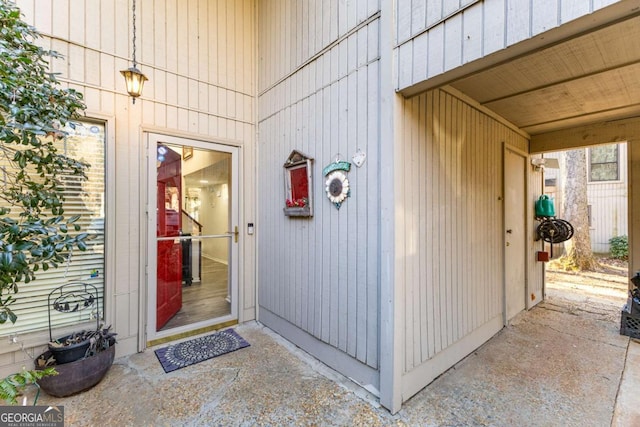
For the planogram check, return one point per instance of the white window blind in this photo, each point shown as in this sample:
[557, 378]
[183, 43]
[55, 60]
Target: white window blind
[85, 142]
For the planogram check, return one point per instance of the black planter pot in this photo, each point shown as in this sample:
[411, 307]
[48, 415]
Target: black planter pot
[74, 377]
[69, 353]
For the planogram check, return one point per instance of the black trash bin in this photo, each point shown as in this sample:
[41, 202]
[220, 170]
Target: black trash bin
[630, 316]
[187, 273]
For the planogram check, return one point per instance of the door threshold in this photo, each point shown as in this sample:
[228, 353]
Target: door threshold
[191, 333]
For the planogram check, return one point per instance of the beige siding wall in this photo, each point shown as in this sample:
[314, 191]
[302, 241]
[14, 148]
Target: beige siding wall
[449, 230]
[199, 57]
[535, 268]
[435, 36]
[319, 79]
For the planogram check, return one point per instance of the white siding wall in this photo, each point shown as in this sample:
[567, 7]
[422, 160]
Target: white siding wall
[436, 36]
[450, 231]
[199, 58]
[609, 206]
[608, 213]
[318, 93]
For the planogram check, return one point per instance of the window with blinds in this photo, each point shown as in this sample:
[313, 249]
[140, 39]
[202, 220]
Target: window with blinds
[85, 142]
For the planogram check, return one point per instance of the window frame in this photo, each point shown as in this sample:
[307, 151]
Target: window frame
[590, 165]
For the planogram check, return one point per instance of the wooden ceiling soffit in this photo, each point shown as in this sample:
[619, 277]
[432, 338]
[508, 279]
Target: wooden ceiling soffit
[600, 133]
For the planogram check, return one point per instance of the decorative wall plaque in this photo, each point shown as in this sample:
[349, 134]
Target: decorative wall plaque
[298, 185]
[336, 183]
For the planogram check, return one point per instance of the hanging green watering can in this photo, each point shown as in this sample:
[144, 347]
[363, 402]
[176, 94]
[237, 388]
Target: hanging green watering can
[544, 207]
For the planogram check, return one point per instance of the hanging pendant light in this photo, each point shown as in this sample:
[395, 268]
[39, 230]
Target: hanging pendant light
[132, 76]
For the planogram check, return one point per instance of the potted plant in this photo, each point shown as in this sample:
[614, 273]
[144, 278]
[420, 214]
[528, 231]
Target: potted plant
[79, 373]
[80, 358]
[35, 235]
[70, 347]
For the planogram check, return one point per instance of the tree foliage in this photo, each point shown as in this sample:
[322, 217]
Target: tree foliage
[35, 234]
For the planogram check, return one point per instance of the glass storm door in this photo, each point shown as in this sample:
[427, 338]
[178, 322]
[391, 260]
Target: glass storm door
[193, 239]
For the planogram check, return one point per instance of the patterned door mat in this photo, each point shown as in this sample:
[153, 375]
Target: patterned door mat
[187, 353]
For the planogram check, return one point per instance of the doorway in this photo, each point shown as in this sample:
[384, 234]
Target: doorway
[606, 189]
[515, 221]
[192, 265]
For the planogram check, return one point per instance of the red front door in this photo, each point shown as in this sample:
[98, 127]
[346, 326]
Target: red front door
[169, 272]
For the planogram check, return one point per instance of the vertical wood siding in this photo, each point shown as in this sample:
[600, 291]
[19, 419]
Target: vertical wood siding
[451, 221]
[535, 268]
[199, 57]
[609, 206]
[436, 36]
[290, 33]
[318, 85]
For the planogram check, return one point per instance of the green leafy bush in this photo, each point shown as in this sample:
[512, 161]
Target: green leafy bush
[35, 235]
[619, 247]
[11, 387]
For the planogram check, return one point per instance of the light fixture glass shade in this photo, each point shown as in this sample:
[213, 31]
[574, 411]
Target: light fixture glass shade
[135, 81]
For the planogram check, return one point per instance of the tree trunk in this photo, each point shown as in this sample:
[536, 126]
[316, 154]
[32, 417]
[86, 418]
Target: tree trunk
[578, 253]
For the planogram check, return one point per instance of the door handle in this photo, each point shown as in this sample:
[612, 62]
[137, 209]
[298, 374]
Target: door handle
[509, 231]
[235, 233]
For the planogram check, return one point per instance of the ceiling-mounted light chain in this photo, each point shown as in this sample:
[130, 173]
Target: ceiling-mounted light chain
[132, 76]
[133, 13]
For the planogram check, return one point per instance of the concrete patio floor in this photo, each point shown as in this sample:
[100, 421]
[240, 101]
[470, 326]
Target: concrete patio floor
[559, 364]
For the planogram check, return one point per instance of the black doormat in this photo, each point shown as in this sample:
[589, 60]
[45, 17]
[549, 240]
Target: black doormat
[187, 353]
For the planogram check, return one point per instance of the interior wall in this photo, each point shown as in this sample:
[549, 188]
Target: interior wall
[319, 94]
[199, 56]
[215, 199]
[215, 217]
[450, 231]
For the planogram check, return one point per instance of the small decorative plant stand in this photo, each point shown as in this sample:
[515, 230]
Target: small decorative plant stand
[80, 365]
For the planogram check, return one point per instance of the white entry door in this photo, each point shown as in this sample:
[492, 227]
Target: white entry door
[515, 232]
[192, 262]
